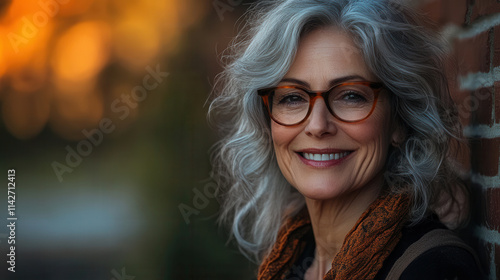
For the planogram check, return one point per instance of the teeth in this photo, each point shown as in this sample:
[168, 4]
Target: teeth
[325, 157]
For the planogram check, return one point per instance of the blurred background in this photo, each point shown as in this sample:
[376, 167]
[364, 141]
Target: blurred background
[103, 118]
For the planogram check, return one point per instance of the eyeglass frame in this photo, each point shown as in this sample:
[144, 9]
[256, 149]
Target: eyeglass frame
[313, 95]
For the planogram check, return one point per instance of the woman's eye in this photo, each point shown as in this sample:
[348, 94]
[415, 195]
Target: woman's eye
[353, 96]
[291, 98]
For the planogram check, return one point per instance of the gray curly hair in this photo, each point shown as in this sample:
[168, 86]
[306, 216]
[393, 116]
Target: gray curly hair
[407, 58]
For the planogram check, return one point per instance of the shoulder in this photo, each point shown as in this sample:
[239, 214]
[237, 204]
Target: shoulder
[443, 262]
[429, 251]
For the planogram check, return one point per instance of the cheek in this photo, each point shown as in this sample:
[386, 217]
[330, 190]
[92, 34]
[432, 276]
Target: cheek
[376, 133]
[378, 127]
[373, 136]
[378, 140]
[283, 138]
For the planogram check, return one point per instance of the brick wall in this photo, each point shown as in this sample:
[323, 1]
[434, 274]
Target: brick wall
[473, 30]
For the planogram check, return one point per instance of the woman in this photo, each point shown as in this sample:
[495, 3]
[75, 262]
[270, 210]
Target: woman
[337, 122]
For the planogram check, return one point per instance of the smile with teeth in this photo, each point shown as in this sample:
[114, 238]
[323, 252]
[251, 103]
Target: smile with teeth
[324, 157]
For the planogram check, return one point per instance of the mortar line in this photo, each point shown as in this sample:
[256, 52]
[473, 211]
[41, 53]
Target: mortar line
[468, 14]
[491, 38]
[477, 80]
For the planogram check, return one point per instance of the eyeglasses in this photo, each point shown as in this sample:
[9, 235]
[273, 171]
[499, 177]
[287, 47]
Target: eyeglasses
[349, 102]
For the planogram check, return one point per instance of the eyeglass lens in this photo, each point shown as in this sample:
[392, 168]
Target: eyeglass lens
[290, 105]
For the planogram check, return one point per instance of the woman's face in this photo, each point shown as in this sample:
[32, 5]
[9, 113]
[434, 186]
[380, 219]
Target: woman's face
[324, 56]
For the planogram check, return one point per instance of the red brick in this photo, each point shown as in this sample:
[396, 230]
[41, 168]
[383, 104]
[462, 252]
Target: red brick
[473, 54]
[483, 98]
[454, 11]
[485, 153]
[492, 210]
[497, 259]
[433, 11]
[451, 70]
[497, 102]
[457, 95]
[445, 11]
[462, 100]
[496, 50]
[461, 153]
[484, 7]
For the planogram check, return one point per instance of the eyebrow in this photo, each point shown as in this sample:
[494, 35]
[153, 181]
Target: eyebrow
[331, 83]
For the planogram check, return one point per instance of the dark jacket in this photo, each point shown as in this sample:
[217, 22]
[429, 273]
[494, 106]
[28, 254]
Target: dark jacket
[440, 263]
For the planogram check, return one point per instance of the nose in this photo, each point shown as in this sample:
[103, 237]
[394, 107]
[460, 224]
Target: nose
[320, 122]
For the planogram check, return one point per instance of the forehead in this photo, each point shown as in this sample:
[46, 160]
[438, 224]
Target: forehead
[326, 54]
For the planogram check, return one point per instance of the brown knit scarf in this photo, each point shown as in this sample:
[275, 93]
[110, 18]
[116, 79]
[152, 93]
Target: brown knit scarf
[363, 252]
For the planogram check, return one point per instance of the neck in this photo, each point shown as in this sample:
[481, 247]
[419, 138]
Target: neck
[333, 219]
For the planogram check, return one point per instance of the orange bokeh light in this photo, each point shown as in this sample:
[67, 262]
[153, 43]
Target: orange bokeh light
[137, 43]
[81, 52]
[19, 9]
[59, 59]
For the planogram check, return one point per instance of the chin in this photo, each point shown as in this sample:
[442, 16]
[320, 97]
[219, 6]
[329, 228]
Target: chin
[318, 192]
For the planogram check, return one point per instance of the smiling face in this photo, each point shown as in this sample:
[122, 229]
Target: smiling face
[324, 158]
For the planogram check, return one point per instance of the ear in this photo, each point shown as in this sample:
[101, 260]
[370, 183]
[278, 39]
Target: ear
[398, 132]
